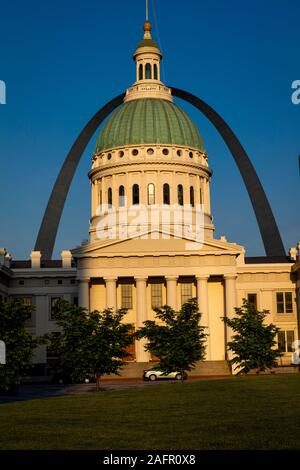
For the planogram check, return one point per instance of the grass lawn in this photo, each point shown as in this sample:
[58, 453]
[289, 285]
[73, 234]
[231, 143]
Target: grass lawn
[240, 413]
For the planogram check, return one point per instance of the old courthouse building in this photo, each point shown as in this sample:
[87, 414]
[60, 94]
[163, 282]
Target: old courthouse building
[150, 155]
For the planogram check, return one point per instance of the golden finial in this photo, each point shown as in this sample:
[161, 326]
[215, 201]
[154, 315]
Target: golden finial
[147, 26]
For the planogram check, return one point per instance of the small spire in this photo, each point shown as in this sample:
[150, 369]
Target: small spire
[147, 25]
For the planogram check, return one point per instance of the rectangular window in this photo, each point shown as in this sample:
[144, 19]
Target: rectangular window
[284, 301]
[290, 338]
[126, 293]
[27, 300]
[288, 302]
[75, 301]
[285, 340]
[281, 340]
[31, 320]
[186, 292]
[156, 295]
[53, 301]
[252, 299]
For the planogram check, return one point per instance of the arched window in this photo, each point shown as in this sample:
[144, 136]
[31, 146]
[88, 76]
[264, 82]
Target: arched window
[155, 72]
[141, 72]
[201, 196]
[135, 194]
[192, 197]
[151, 194]
[148, 72]
[166, 193]
[180, 194]
[109, 197]
[121, 196]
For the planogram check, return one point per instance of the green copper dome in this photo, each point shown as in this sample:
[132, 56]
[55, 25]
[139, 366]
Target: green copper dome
[148, 121]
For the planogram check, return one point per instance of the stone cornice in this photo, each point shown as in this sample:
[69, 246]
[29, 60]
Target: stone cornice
[127, 167]
[43, 272]
[267, 268]
[149, 254]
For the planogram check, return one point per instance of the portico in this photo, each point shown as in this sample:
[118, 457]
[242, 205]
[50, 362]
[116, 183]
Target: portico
[106, 280]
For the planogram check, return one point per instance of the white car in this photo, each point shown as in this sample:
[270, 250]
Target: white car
[156, 374]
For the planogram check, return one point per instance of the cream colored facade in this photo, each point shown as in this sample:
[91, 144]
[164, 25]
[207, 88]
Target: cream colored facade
[117, 268]
[216, 273]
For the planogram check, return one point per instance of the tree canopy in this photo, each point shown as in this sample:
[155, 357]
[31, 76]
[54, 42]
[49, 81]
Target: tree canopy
[177, 339]
[254, 341]
[90, 344]
[20, 344]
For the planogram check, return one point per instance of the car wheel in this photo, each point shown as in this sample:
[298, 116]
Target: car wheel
[152, 377]
[178, 377]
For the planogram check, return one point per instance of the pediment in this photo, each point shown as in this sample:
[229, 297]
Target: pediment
[156, 243]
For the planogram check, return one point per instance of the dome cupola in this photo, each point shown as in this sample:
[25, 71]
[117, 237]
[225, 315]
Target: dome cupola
[149, 154]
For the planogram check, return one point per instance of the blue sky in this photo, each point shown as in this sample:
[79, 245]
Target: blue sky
[62, 60]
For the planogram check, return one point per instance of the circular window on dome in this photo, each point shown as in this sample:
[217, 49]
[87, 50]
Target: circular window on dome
[179, 153]
[191, 154]
[135, 152]
[108, 156]
[121, 153]
[165, 151]
[150, 151]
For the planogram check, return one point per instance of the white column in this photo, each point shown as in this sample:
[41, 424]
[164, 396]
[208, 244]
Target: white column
[172, 291]
[202, 296]
[230, 301]
[84, 293]
[141, 316]
[111, 292]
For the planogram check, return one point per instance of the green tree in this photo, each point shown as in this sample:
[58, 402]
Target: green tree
[253, 344]
[178, 341]
[20, 345]
[90, 344]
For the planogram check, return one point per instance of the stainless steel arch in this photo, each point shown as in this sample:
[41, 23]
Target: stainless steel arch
[48, 230]
[267, 225]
